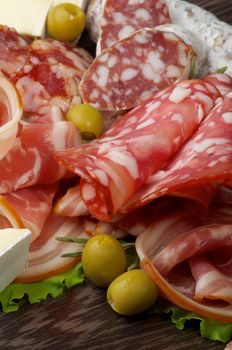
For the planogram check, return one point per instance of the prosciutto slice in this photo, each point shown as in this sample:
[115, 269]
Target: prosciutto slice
[71, 204]
[115, 165]
[45, 252]
[11, 110]
[33, 205]
[31, 159]
[176, 251]
[205, 159]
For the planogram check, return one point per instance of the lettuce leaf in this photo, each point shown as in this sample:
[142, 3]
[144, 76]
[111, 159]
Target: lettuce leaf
[13, 296]
[210, 329]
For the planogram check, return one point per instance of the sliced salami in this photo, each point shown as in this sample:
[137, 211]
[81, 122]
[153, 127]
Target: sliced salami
[120, 161]
[14, 50]
[135, 68]
[205, 159]
[223, 82]
[52, 77]
[120, 19]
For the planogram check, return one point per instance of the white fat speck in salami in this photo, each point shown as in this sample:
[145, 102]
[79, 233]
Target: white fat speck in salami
[137, 146]
[128, 73]
[205, 158]
[122, 18]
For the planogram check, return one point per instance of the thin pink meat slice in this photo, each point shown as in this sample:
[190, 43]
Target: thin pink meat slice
[31, 159]
[118, 163]
[205, 159]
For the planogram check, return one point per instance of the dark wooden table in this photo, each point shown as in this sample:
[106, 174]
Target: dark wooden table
[82, 319]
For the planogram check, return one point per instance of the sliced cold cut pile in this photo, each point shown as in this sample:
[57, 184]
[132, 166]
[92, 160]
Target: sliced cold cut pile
[121, 18]
[30, 160]
[51, 77]
[14, 50]
[191, 263]
[205, 159]
[115, 165]
[135, 68]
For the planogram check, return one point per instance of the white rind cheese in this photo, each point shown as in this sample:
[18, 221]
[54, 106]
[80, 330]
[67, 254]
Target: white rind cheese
[28, 17]
[14, 248]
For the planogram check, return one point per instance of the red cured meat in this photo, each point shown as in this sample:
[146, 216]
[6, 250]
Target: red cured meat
[135, 68]
[51, 77]
[54, 52]
[114, 166]
[223, 82]
[33, 205]
[14, 50]
[206, 158]
[45, 252]
[31, 159]
[122, 18]
[169, 249]
[71, 204]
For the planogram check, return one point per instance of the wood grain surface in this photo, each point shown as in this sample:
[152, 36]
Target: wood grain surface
[82, 319]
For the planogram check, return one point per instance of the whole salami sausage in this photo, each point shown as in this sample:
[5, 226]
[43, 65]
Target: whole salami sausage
[122, 18]
[135, 68]
[119, 162]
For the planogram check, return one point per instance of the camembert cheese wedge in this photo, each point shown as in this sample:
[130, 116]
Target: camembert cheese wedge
[14, 248]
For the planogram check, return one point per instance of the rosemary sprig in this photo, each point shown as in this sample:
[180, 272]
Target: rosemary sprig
[71, 255]
[72, 240]
[192, 68]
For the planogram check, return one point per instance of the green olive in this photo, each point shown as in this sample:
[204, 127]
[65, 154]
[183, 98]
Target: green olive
[132, 292]
[103, 259]
[87, 119]
[65, 22]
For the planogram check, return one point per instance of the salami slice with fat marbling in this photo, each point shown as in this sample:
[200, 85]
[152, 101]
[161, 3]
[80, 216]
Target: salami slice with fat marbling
[205, 159]
[122, 18]
[115, 165]
[135, 68]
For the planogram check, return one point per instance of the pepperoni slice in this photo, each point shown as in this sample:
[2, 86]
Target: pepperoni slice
[135, 68]
[120, 19]
[114, 166]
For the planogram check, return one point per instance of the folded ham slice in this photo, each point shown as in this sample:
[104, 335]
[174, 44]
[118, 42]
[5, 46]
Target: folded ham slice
[115, 165]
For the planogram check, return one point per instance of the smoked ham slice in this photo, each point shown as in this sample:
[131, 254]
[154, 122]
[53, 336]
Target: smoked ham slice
[115, 165]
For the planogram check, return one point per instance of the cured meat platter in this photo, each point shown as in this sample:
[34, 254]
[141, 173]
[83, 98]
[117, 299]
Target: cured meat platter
[81, 318]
